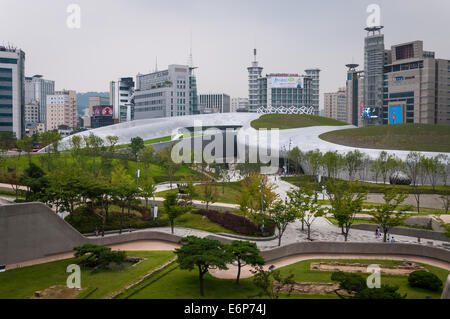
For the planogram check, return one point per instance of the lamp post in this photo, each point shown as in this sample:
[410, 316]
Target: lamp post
[262, 203]
[137, 170]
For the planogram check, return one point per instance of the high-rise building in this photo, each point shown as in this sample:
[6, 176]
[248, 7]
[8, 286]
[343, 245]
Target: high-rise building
[354, 92]
[215, 103]
[121, 98]
[315, 88]
[374, 60]
[254, 73]
[62, 109]
[285, 90]
[239, 103]
[32, 112]
[336, 105]
[36, 89]
[171, 92]
[416, 86]
[12, 90]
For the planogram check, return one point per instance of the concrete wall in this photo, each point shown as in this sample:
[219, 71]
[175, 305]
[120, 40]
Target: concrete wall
[404, 231]
[446, 290]
[357, 248]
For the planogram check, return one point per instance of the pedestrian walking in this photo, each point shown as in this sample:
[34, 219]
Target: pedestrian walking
[392, 239]
[96, 232]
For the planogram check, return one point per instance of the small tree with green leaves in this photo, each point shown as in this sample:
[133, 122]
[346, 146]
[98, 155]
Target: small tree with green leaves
[281, 216]
[345, 202]
[208, 193]
[304, 203]
[136, 146]
[271, 282]
[245, 253]
[148, 188]
[203, 253]
[390, 213]
[173, 209]
[112, 141]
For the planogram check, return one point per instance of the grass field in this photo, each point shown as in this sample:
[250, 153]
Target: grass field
[408, 137]
[23, 282]
[174, 283]
[157, 171]
[288, 121]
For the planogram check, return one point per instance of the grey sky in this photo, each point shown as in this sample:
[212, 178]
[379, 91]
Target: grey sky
[122, 38]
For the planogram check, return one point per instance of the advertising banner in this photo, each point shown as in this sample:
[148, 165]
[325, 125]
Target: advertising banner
[105, 110]
[395, 114]
[286, 82]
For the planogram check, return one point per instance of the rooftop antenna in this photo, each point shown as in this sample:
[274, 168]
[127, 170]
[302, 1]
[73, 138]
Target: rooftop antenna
[156, 64]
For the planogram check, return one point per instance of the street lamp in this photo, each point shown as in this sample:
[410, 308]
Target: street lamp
[262, 202]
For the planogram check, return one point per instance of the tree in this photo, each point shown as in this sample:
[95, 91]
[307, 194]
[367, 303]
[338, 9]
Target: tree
[13, 178]
[147, 157]
[26, 144]
[250, 195]
[295, 157]
[245, 253]
[112, 141]
[389, 214]
[271, 282]
[124, 188]
[208, 193]
[353, 162]
[281, 216]
[445, 199]
[202, 253]
[136, 146]
[332, 162]
[314, 159]
[303, 202]
[173, 209]
[34, 179]
[170, 166]
[345, 203]
[7, 141]
[148, 188]
[356, 287]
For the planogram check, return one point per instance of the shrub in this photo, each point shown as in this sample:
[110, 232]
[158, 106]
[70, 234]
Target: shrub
[235, 223]
[424, 279]
[99, 256]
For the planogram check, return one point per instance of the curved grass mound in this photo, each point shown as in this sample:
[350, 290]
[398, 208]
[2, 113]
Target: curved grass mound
[288, 121]
[407, 137]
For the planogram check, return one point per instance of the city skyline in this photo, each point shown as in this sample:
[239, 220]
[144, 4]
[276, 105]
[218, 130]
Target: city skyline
[111, 43]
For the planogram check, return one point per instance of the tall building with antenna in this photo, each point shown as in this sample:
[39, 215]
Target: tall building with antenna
[12, 90]
[254, 72]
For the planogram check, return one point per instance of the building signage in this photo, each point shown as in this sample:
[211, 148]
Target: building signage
[286, 82]
[105, 110]
[401, 78]
[395, 114]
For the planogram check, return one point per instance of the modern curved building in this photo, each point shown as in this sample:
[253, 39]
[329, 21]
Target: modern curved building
[306, 138]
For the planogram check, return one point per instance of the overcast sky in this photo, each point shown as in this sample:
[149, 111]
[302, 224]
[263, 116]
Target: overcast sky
[123, 38]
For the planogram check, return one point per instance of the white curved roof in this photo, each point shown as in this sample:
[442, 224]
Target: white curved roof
[305, 139]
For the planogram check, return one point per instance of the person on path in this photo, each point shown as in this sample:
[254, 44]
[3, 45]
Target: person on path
[392, 239]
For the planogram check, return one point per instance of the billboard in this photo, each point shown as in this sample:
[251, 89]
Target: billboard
[370, 113]
[292, 82]
[395, 114]
[104, 110]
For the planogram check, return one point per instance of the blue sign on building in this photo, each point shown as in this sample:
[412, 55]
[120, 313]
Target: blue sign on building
[395, 114]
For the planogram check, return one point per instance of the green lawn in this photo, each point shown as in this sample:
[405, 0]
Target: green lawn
[23, 282]
[199, 222]
[156, 170]
[288, 121]
[302, 272]
[174, 283]
[408, 137]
